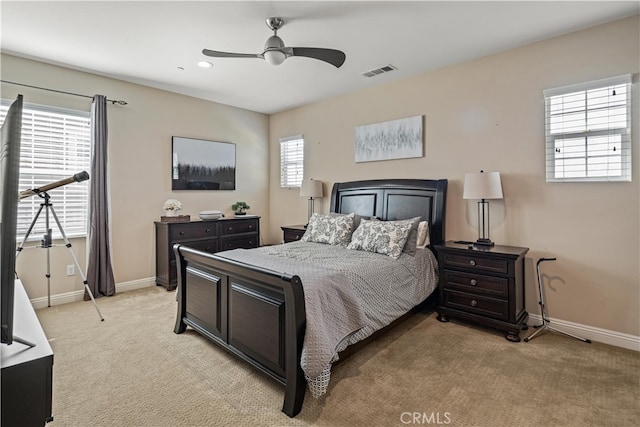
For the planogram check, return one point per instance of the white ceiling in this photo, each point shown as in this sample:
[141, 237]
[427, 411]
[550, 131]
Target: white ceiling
[158, 43]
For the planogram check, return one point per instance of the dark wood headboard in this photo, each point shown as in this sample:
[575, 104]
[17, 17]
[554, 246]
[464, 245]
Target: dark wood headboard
[394, 199]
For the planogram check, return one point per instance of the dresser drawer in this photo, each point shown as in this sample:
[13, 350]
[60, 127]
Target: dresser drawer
[473, 261]
[237, 227]
[481, 305]
[476, 283]
[210, 246]
[244, 242]
[194, 230]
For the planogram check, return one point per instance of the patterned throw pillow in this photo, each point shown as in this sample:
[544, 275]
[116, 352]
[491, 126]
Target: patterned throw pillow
[332, 229]
[383, 237]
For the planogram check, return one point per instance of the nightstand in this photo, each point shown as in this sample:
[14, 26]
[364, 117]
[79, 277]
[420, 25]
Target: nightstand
[293, 233]
[484, 285]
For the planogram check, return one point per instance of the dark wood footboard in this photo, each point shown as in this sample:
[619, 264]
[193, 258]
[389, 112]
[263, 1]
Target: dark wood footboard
[256, 314]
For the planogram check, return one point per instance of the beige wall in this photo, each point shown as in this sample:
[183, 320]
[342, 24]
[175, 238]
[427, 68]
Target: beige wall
[140, 164]
[489, 114]
[485, 114]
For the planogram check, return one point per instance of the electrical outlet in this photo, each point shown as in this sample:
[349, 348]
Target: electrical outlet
[71, 270]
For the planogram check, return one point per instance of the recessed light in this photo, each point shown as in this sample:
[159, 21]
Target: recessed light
[205, 64]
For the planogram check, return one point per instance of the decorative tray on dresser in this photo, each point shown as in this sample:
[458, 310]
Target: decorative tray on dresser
[208, 236]
[484, 285]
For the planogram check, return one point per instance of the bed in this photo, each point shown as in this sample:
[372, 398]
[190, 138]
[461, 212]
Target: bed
[253, 304]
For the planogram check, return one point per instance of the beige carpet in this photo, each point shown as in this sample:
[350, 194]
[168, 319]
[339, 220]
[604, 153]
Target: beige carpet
[132, 370]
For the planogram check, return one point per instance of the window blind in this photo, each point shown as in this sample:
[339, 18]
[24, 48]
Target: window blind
[291, 161]
[588, 131]
[55, 144]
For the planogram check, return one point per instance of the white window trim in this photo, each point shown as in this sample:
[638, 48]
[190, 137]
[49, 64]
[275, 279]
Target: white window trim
[291, 171]
[70, 202]
[623, 132]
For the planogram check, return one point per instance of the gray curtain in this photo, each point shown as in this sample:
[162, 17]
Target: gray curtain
[99, 271]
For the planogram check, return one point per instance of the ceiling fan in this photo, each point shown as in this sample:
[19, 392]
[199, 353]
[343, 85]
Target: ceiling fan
[275, 52]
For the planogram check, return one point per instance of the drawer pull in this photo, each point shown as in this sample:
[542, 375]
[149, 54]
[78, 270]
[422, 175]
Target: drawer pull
[473, 282]
[474, 303]
[250, 226]
[230, 229]
[472, 263]
[182, 233]
[208, 230]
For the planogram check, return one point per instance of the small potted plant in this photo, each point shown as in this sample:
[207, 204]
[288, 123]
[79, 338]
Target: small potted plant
[240, 208]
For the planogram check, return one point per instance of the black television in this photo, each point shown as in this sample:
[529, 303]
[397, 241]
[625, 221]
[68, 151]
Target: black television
[10, 174]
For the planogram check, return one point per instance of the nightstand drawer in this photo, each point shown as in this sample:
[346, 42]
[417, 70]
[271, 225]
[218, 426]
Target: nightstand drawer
[293, 235]
[476, 283]
[470, 303]
[237, 227]
[475, 262]
[192, 230]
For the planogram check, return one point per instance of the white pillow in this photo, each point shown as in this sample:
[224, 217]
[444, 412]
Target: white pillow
[332, 229]
[423, 235]
[383, 237]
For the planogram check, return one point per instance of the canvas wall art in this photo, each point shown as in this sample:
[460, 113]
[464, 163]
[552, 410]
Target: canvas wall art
[199, 164]
[396, 139]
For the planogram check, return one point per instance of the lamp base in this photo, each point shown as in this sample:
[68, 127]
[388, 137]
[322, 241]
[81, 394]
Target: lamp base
[483, 242]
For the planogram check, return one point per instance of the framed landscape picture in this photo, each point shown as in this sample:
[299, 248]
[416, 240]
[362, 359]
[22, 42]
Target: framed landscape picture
[199, 164]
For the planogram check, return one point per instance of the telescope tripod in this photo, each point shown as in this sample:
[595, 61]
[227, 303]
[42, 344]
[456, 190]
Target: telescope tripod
[46, 243]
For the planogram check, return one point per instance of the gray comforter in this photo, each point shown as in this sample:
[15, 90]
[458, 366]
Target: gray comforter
[348, 294]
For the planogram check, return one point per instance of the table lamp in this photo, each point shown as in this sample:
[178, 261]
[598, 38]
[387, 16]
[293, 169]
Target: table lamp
[483, 186]
[312, 189]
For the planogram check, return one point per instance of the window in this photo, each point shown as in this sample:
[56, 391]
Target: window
[588, 135]
[56, 144]
[291, 161]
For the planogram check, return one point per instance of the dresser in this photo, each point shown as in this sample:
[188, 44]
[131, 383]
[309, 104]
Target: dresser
[208, 236]
[292, 233]
[483, 285]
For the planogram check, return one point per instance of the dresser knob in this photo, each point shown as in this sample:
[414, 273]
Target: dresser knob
[207, 230]
[473, 282]
[250, 226]
[182, 233]
[474, 303]
[472, 263]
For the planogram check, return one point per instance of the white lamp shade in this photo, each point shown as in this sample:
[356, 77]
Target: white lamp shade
[274, 57]
[482, 185]
[311, 188]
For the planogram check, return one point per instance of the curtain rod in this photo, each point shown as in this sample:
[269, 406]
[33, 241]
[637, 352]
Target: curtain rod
[60, 91]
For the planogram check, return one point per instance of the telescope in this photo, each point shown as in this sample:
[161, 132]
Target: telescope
[79, 177]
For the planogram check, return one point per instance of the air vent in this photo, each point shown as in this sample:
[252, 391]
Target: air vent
[379, 71]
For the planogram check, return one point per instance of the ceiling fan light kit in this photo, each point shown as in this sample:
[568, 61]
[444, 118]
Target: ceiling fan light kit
[275, 51]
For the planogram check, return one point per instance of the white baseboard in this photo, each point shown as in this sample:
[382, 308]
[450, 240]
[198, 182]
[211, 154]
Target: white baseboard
[68, 297]
[605, 336]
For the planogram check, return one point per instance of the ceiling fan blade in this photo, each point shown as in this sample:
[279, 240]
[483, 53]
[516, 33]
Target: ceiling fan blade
[218, 54]
[332, 56]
